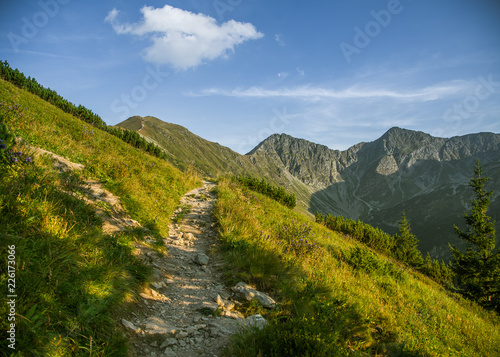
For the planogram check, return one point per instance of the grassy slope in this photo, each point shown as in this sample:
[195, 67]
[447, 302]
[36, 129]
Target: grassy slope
[187, 148]
[213, 160]
[150, 187]
[341, 297]
[72, 280]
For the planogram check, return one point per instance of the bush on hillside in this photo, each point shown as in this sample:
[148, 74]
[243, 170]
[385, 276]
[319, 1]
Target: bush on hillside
[8, 156]
[401, 246]
[276, 193]
[298, 239]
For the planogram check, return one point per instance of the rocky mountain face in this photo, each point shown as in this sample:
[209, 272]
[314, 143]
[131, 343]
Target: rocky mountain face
[403, 171]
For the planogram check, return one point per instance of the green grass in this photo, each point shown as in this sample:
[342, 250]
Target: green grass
[336, 296]
[149, 187]
[73, 282]
[184, 210]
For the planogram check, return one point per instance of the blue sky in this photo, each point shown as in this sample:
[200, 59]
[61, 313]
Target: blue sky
[235, 71]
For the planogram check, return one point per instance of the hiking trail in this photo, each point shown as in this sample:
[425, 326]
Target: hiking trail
[186, 310]
[178, 312]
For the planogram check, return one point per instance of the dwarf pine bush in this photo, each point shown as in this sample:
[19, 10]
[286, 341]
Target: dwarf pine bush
[8, 155]
[276, 193]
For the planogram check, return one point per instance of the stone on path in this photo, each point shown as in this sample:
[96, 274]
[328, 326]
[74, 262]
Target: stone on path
[248, 293]
[156, 326]
[169, 342]
[189, 237]
[201, 259]
[130, 325]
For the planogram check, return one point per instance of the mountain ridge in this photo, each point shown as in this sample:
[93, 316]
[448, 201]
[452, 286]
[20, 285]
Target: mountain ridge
[401, 171]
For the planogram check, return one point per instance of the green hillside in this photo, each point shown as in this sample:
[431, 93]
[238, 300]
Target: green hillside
[336, 296]
[71, 279]
[185, 148]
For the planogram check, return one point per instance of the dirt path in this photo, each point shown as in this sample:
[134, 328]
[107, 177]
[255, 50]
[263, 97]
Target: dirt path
[106, 205]
[187, 311]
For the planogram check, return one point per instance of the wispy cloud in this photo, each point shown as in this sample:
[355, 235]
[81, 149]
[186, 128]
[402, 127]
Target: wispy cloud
[316, 93]
[44, 54]
[279, 39]
[341, 115]
[184, 39]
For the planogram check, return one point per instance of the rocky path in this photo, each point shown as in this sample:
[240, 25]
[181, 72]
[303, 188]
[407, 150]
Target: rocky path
[187, 310]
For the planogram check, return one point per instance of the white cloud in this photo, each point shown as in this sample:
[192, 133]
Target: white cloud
[315, 93]
[184, 39]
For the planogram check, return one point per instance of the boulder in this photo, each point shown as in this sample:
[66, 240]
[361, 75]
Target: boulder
[248, 293]
[255, 321]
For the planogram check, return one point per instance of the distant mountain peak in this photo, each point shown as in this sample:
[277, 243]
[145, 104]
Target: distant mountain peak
[397, 132]
[270, 141]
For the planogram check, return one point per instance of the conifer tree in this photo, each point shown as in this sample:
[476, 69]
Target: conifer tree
[405, 248]
[478, 269]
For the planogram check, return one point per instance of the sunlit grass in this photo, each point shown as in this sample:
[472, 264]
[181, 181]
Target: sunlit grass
[72, 280]
[384, 307]
[149, 187]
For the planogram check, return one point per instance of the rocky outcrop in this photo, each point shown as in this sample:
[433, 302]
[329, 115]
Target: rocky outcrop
[248, 293]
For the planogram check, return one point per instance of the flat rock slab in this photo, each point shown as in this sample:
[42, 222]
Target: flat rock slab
[248, 293]
[156, 326]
